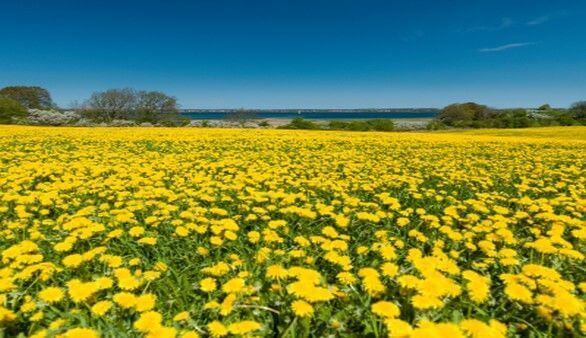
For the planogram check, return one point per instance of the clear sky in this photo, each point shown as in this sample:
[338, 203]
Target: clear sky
[306, 54]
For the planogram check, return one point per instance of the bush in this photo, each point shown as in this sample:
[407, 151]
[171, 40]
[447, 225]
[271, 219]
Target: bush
[264, 124]
[381, 124]
[51, 117]
[348, 125]
[472, 115]
[435, 125]
[357, 126]
[338, 125]
[299, 123]
[516, 118]
[164, 119]
[455, 113]
[366, 125]
[566, 120]
[172, 120]
[241, 116]
[10, 110]
[118, 123]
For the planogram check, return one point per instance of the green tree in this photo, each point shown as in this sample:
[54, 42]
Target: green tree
[110, 104]
[459, 113]
[299, 123]
[578, 111]
[544, 107]
[10, 109]
[514, 118]
[155, 102]
[154, 106]
[29, 97]
[130, 104]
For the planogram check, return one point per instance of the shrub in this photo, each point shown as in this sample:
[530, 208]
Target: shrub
[241, 116]
[118, 123]
[366, 125]
[381, 124]
[172, 120]
[299, 123]
[457, 112]
[337, 125]
[471, 115]
[10, 110]
[516, 118]
[164, 119]
[347, 125]
[51, 117]
[435, 125]
[566, 120]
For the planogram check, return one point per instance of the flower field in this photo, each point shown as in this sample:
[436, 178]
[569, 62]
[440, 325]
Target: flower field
[156, 232]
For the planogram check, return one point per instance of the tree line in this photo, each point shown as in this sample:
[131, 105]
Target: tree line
[15, 100]
[130, 104]
[106, 106]
[17, 103]
[474, 115]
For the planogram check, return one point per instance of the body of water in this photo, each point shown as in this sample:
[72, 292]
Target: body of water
[319, 115]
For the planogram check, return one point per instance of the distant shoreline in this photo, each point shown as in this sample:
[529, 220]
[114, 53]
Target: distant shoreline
[317, 115]
[400, 123]
[309, 110]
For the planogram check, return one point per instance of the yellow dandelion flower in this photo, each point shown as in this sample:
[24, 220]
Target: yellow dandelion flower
[148, 321]
[51, 294]
[519, 293]
[302, 309]
[190, 334]
[145, 302]
[181, 316]
[217, 329]
[207, 284]
[125, 300]
[244, 327]
[81, 333]
[234, 285]
[101, 307]
[385, 309]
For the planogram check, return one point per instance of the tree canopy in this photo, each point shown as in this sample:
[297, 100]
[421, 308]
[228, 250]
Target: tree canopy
[128, 103]
[464, 112]
[578, 110]
[29, 97]
[10, 109]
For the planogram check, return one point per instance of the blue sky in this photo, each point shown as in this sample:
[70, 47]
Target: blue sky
[307, 54]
